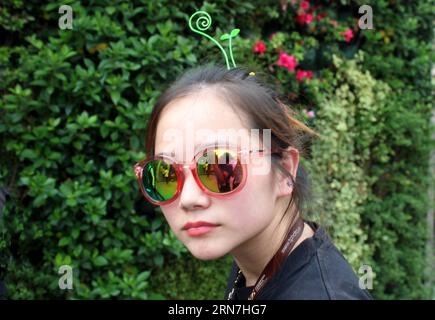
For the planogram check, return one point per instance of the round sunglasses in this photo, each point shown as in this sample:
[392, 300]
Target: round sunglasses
[218, 171]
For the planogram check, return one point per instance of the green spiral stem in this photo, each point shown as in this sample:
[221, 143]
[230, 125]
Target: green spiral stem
[202, 24]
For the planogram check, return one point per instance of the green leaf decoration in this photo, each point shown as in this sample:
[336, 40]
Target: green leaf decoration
[235, 32]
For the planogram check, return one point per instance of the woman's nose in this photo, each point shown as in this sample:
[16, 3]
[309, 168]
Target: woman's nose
[191, 195]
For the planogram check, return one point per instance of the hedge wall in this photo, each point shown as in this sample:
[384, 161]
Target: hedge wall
[74, 105]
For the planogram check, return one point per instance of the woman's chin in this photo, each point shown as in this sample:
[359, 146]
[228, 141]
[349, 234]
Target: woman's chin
[206, 255]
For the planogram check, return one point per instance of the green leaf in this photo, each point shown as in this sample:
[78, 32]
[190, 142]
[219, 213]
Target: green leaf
[62, 259]
[115, 96]
[156, 224]
[225, 36]
[64, 241]
[143, 276]
[235, 32]
[100, 261]
[156, 296]
[104, 130]
[29, 154]
[40, 200]
[110, 10]
[158, 260]
[71, 202]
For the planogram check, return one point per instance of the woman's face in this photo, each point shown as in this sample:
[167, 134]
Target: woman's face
[239, 216]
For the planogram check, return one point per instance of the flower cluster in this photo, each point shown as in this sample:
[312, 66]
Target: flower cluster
[305, 14]
[287, 61]
[260, 47]
[348, 35]
[304, 74]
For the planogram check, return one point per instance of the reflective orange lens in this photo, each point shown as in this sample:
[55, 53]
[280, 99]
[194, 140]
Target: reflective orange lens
[219, 170]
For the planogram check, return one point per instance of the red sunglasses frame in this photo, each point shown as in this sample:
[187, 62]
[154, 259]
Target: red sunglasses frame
[138, 170]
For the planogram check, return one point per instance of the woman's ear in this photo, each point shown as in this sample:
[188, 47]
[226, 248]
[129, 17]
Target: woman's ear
[290, 163]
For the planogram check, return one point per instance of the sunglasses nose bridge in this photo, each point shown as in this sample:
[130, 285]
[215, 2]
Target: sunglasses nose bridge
[182, 168]
[189, 166]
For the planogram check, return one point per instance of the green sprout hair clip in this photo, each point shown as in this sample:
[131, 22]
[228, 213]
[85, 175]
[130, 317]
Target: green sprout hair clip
[203, 23]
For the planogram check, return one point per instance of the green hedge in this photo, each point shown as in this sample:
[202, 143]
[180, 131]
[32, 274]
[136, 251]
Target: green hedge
[349, 114]
[74, 105]
[395, 215]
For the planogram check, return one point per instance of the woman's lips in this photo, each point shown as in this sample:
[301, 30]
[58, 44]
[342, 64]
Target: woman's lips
[196, 229]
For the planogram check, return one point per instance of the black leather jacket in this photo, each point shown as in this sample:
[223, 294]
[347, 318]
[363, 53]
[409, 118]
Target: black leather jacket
[314, 270]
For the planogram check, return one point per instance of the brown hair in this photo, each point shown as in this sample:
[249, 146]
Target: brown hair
[263, 106]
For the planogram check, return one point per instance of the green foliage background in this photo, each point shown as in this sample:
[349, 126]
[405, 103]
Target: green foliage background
[74, 105]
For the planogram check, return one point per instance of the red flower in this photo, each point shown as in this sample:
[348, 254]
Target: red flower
[309, 74]
[308, 18]
[287, 61]
[303, 74]
[305, 5]
[300, 19]
[347, 35]
[259, 47]
[303, 18]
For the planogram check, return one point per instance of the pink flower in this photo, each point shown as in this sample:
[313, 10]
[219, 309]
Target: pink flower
[347, 35]
[300, 75]
[303, 18]
[311, 114]
[259, 47]
[305, 5]
[303, 74]
[287, 61]
[308, 18]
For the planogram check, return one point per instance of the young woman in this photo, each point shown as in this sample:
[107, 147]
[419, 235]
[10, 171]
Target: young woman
[223, 191]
